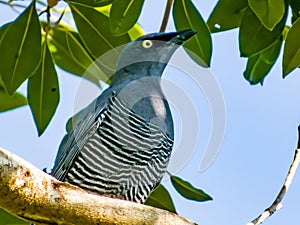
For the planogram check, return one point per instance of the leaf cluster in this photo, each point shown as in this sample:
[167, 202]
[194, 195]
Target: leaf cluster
[263, 30]
[31, 48]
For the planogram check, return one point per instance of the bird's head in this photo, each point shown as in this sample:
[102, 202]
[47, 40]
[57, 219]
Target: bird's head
[151, 53]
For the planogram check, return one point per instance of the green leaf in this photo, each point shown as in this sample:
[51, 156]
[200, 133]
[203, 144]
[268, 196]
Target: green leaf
[8, 102]
[254, 37]
[160, 198]
[135, 32]
[96, 35]
[94, 3]
[97, 38]
[3, 31]
[269, 12]
[259, 65]
[70, 54]
[20, 49]
[124, 14]
[186, 16]
[291, 52]
[188, 191]
[9, 219]
[226, 15]
[43, 91]
[295, 6]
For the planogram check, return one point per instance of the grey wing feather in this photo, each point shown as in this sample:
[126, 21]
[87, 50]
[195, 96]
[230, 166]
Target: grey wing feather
[84, 126]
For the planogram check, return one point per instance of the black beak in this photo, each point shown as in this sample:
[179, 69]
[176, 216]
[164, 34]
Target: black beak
[182, 36]
[172, 37]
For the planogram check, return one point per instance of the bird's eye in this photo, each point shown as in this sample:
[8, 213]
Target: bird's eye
[147, 44]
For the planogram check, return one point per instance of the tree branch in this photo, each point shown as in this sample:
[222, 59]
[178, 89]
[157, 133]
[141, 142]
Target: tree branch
[288, 180]
[31, 194]
[166, 16]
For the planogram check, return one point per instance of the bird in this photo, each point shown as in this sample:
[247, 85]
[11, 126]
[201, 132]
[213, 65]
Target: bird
[121, 143]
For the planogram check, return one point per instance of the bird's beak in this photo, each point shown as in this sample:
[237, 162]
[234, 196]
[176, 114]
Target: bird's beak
[181, 36]
[173, 37]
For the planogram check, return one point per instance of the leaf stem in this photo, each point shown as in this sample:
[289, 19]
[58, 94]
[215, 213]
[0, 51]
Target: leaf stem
[166, 16]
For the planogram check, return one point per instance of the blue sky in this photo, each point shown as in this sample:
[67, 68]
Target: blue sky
[258, 146]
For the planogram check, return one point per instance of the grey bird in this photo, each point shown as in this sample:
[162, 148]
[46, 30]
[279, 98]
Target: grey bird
[121, 143]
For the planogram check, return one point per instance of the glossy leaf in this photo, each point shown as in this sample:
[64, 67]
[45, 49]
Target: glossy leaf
[188, 191]
[43, 91]
[94, 3]
[291, 52]
[160, 198]
[186, 16]
[102, 34]
[70, 54]
[259, 65]
[96, 35]
[124, 14]
[135, 32]
[254, 37]
[20, 49]
[226, 15]
[8, 102]
[295, 6]
[269, 12]
[3, 31]
[8, 219]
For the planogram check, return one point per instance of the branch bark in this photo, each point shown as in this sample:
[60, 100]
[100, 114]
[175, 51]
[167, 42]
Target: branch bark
[166, 16]
[276, 205]
[33, 195]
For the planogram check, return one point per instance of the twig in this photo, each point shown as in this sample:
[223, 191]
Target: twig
[166, 16]
[288, 180]
[12, 4]
[33, 195]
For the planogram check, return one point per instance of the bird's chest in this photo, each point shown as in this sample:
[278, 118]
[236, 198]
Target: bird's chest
[131, 128]
[145, 98]
[124, 142]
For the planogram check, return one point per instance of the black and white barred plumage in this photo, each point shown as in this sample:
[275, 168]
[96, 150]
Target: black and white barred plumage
[124, 156]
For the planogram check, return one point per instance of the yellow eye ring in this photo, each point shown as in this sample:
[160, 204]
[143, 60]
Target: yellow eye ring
[147, 44]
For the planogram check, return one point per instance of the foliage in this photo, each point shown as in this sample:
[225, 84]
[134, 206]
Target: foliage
[262, 29]
[262, 32]
[186, 16]
[31, 47]
[9, 219]
[161, 198]
[189, 191]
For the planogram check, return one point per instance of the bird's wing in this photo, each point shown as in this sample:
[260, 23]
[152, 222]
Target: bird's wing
[85, 124]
